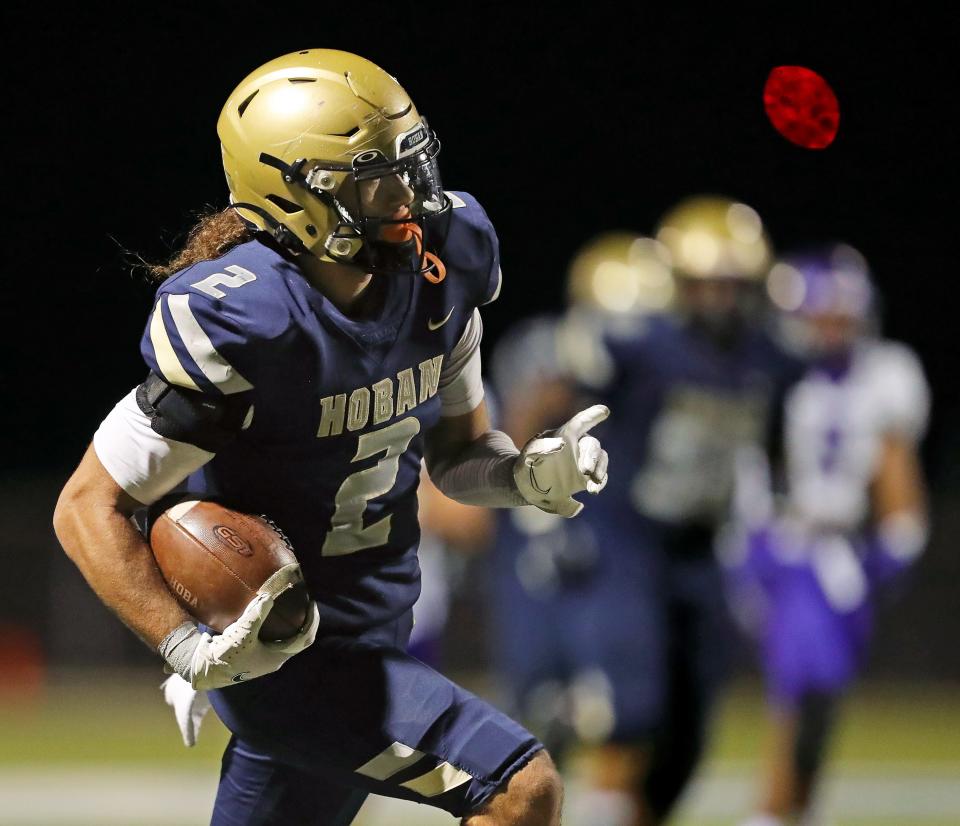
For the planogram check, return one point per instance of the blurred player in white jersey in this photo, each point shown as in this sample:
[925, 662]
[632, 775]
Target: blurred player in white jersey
[852, 518]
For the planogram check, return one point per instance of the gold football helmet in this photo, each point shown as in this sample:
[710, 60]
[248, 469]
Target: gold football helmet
[621, 273]
[307, 141]
[709, 236]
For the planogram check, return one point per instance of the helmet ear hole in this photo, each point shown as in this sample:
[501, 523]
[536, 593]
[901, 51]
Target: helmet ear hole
[243, 106]
[288, 207]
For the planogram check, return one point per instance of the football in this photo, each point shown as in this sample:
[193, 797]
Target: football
[214, 559]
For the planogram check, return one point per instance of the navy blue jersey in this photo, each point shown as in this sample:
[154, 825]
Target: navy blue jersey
[681, 406]
[339, 406]
[626, 600]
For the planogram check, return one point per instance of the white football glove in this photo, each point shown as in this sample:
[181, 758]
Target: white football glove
[238, 655]
[559, 463]
[189, 706]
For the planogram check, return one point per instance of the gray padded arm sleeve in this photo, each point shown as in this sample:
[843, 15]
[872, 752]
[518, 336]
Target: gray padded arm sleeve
[481, 474]
[461, 386]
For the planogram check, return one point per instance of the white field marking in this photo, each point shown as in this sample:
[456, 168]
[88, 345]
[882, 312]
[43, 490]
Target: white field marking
[111, 795]
[107, 795]
[909, 791]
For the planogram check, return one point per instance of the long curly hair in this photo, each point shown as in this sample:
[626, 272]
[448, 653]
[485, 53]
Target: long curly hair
[216, 231]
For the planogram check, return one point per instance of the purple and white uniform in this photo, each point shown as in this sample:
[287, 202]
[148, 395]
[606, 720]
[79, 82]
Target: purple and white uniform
[818, 561]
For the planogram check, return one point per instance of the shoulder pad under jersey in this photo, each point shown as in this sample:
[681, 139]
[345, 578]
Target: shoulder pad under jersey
[210, 321]
[472, 248]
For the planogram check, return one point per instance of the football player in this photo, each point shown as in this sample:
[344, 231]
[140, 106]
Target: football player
[449, 533]
[309, 345]
[613, 627]
[852, 517]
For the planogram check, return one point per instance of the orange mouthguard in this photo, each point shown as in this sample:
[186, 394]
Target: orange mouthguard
[401, 233]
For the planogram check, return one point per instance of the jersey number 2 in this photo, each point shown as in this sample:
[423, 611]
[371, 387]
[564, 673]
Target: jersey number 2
[347, 533]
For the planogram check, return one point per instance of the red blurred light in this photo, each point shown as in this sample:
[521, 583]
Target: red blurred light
[801, 106]
[22, 664]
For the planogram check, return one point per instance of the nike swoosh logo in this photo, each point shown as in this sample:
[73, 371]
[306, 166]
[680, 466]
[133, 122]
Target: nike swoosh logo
[238, 678]
[436, 325]
[536, 487]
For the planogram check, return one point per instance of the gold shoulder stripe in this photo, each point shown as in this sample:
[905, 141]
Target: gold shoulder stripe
[392, 759]
[441, 779]
[167, 359]
[214, 366]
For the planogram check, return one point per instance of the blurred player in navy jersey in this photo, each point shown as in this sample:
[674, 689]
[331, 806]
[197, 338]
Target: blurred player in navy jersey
[449, 533]
[851, 519]
[613, 628]
[309, 346]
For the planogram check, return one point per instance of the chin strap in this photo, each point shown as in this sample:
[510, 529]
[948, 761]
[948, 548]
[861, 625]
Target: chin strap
[401, 233]
[280, 232]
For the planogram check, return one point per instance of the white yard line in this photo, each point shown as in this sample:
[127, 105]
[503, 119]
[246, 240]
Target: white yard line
[107, 795]
[854, 792]
[116, 796]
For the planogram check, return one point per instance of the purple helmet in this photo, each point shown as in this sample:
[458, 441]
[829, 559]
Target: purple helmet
[831, 279]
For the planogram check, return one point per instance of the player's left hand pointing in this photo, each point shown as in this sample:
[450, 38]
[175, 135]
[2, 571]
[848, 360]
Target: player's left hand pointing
[559, 463]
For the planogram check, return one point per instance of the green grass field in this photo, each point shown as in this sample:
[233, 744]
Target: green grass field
[103, 749]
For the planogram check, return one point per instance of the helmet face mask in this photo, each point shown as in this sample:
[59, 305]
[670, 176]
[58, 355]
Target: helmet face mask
[386, 206]
[722, 307]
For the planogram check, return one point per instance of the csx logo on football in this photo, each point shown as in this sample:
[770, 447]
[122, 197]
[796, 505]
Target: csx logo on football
[230, 537]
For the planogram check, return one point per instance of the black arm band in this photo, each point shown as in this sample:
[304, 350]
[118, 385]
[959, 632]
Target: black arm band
[205, 421]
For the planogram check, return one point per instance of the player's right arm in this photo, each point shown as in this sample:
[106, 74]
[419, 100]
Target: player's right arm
[192, 404]
[92, 522]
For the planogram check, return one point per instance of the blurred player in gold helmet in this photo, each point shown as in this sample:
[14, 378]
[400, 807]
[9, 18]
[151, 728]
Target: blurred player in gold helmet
[612, 629]
[620, 274]
[720, 255]
[616, 280]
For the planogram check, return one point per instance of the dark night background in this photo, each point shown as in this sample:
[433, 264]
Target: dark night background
[561, 123]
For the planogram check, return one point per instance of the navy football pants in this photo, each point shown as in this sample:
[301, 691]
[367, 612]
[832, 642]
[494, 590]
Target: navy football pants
[351, 716]
[654, 625]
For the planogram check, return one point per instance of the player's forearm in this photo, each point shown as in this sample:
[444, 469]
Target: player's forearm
[479, 472]
[115, 560]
